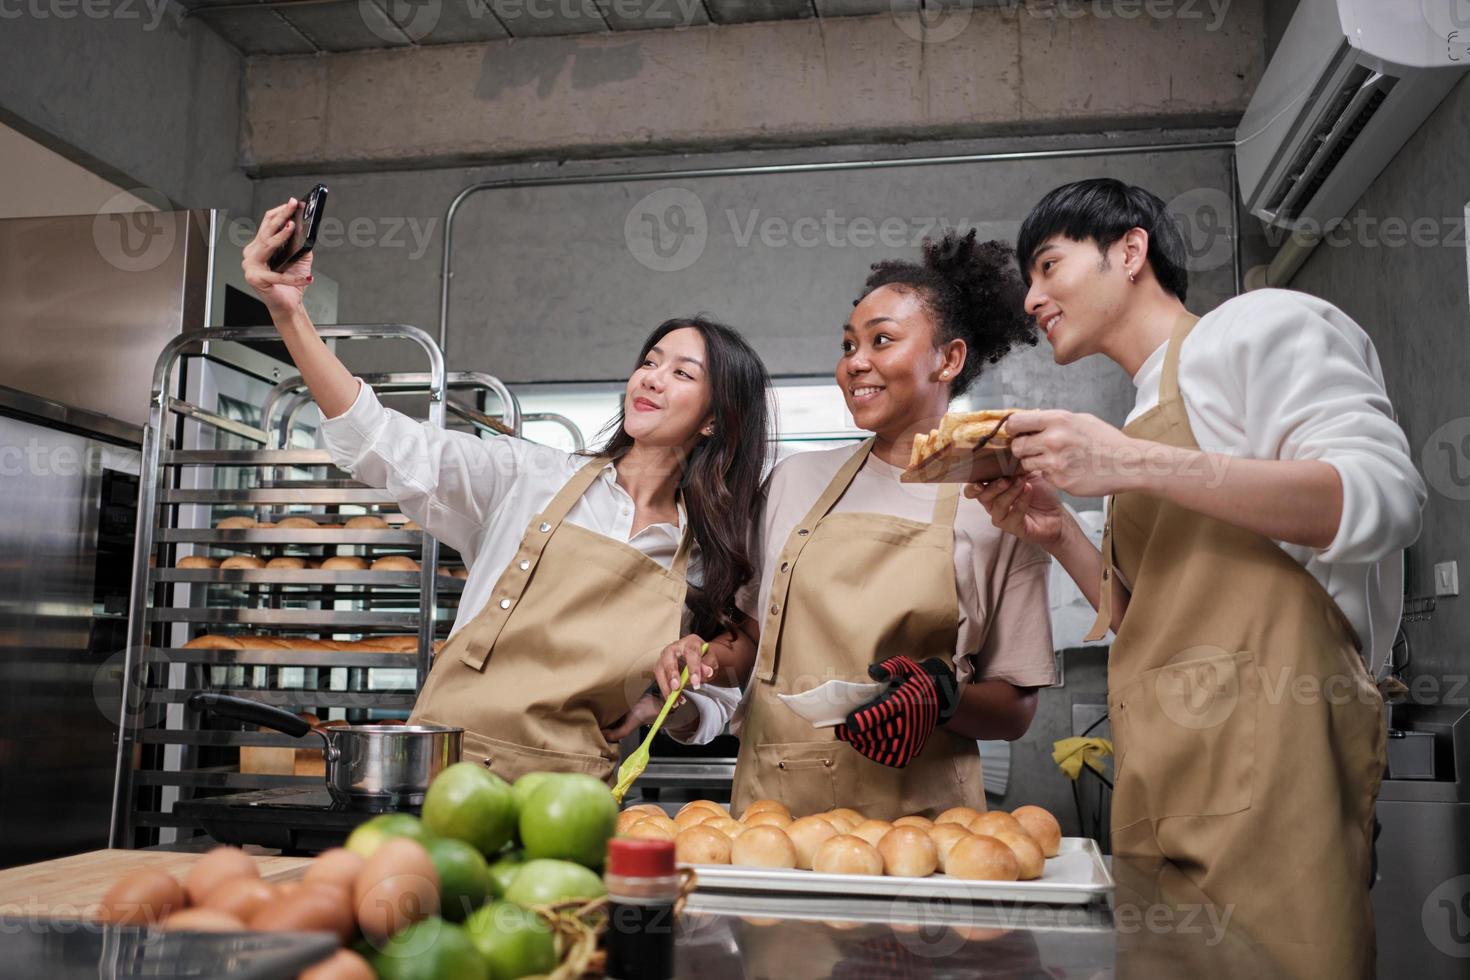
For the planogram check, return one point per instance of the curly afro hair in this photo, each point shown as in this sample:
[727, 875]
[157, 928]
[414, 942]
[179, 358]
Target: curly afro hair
[975, 294]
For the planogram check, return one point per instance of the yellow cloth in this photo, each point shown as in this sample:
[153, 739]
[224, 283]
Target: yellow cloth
[1071, 753]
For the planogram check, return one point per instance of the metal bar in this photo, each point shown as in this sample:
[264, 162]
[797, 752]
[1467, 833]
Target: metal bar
[289, 698]
[396, 381]
[479, 419]
[222, 739]
[446, 264]
[16, 402]
[247, 457]
[327, 619]
[181, 407]
[578, 442]
[222, 780]
[364, 496]
[290, 535]
[278, 658]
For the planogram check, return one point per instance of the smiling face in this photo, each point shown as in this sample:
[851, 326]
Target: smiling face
[893, 377]
[667, 401]
[1078, 294]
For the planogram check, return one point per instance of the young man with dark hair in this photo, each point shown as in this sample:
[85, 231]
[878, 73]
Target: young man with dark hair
[1261, 494]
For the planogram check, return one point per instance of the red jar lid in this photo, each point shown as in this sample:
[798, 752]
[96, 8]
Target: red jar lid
[639, 858]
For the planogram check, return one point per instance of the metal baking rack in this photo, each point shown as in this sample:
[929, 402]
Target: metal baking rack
[164, 751]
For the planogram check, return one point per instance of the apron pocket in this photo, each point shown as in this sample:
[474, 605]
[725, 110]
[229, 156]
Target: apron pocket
[510, 761]
[1187, 735]
[799, 774]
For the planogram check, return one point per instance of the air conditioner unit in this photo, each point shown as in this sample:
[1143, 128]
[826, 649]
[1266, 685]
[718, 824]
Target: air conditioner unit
[1348, 85]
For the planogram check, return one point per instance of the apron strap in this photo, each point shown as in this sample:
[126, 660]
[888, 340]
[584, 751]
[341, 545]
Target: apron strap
[775, 613]
[1168, 394]
[480, 634]
[946, 505]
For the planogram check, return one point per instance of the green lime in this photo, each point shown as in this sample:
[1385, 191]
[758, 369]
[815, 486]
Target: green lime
[546, 882]
[470, 803]
[528, 784]
[430, 950]
[515, 942]
[464, 880]
[367, 837]
[504, 871]
[571, 817]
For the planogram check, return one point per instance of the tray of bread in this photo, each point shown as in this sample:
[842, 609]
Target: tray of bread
[960, 854]
[968, 447]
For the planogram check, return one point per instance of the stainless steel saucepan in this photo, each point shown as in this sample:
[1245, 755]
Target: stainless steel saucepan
[367, 765]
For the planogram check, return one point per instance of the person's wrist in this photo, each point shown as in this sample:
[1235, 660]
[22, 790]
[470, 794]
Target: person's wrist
[1067, 537]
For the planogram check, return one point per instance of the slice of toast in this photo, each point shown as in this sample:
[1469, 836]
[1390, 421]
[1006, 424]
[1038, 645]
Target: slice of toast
[967, 446]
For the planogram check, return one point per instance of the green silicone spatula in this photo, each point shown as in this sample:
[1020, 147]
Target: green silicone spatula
[634, 765]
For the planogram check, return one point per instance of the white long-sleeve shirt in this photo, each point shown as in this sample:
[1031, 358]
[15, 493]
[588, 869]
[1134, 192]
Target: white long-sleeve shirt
[1277, 374]
[478, 496]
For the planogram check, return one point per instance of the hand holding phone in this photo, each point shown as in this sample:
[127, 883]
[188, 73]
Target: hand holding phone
[308, 218]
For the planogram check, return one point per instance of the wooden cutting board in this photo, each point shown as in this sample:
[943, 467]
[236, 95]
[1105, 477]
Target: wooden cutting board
[69, 886]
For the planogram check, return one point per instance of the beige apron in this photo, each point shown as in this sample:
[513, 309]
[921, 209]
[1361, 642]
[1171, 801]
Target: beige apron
[1248, 735]
[851, 590]
[566, 643]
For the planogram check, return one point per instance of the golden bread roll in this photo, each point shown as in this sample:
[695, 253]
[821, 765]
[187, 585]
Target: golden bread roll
[266, 524]
[986, 824]
[709, 805]
[924, 823]
[460, 573]
[1042, 826]
[1029, 859]
[651, 829]
[808, 834]
[768, 818]
[728, 826]
[395, 563]
[685, 819]
[366, 522]
[307, 523]
[236, 524]
[762, 806]
[945, 836]
[344, 563]
[847, 813]
[286, 561]
[871, 831]
[763, 847]
[388, 644]
[651, 808]
[198, 561]
[410, 526]
[908, 852]
[627, 819]
[847, 855]
[213, 641]
[700, 845]
[982, 859]
[957, 814]
[242, 561]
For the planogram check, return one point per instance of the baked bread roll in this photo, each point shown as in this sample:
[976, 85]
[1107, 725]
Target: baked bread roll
[871, 831]
[945, 836]
[344, 563]
[198, 561]
[1042, 826]
[685, 819]
[1029, 859]
[242, 561]
[768, 818]
[763, 847]
[410, 526]
[266, 524]
[395, 563]
[286, 561]
[761, 806]
[982, 859]
[213, 641]
[700, 845]
[808, 834]
[387, 644]
[957, 814]
[846, 855]
[986, 824]
[460, 573]
[908, 852]
[651, 829]
[236, 524]
[366, 522]
[728, 826]
[709, 805]
[923, 823]
[299, 521]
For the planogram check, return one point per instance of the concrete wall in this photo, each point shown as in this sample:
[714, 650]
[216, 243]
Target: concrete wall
[1414, 301]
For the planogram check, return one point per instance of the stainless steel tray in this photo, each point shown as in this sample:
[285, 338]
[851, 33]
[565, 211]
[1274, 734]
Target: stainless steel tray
[301, 576]
[1076, 876]
[289, 535]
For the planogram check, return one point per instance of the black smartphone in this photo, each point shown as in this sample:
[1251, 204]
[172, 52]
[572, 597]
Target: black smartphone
[309, 211]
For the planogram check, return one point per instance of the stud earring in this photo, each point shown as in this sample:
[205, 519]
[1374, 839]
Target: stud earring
[1132, 277]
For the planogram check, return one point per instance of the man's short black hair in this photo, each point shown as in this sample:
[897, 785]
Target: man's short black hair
[1103, 210]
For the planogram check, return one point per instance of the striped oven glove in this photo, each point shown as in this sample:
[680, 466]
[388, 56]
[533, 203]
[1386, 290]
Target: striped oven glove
[893, 727]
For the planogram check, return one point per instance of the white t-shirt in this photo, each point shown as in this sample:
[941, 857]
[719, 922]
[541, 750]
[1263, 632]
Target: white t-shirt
[1277, 374]
[478, 496]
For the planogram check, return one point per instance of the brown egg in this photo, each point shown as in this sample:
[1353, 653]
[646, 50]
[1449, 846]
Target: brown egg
[808, 834]
[986, 824]
[691, 818]
[700, 845]
[872, 831]
[397, 887]
[650, 830]
[982, 859]
[945, 836]
[728, 826]
[1042, 826]
[847, 855]
[217, 866]
[312, 908]
[957, 814]
[908, 852]
[1029, 860]
[763, 847]
[337, 866]
[241, 897]
[923, 823]
[202, 920]
[142, 898]
[762, 806]
[342, 965]
[769, 818]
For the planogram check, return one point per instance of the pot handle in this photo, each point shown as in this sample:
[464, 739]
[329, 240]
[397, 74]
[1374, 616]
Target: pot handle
[250, 712]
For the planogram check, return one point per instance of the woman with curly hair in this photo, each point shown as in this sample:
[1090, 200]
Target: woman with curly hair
[867, 578]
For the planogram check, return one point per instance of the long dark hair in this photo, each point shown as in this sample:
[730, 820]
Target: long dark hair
[722, 476]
